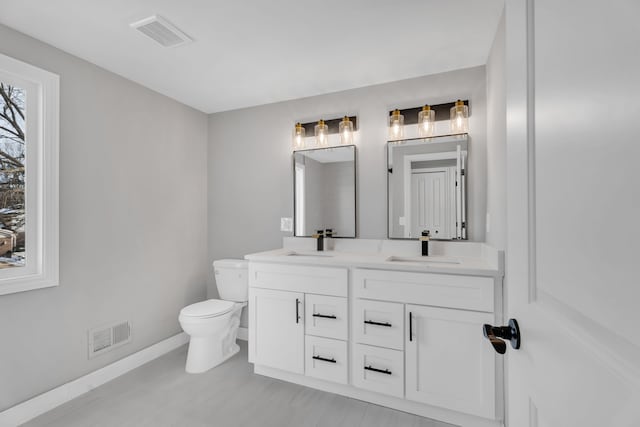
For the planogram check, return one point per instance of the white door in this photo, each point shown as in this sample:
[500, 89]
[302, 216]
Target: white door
[429, 204]
[573, 250]
[448, 363]
[278, 324]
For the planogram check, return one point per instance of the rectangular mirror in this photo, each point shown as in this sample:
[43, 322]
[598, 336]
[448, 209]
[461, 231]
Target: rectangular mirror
[324, 197]
[426, 187]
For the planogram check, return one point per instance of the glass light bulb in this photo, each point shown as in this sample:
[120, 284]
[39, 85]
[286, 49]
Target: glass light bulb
[459, 118]
[396, 125]
[346, 131]
[426, 119]
[298, 137]
[322, 133]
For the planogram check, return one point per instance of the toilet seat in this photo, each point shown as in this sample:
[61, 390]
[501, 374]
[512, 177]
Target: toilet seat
[207, 309]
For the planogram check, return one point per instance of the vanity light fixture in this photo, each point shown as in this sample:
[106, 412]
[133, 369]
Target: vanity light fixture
[459, 118]
[322, 134]
[396, 125]
[346, 131]
[426, 121]
[298, 137]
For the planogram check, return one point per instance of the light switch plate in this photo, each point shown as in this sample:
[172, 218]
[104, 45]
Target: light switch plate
[286, 224]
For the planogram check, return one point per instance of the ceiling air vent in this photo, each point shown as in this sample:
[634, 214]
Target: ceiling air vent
[108, 337]
[162, 31]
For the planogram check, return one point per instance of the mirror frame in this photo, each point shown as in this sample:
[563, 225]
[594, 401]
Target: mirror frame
[463, 184]
[355, 188]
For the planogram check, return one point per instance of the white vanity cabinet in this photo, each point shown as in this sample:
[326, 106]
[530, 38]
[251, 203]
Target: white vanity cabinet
[434, 321]
[403, 335]
[298, 319]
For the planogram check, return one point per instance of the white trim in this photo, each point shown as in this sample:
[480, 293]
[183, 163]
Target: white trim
[243, 334]
[41, 203]
[299, 213]
[25, 411]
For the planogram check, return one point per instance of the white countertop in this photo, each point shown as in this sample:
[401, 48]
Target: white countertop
[468, 258]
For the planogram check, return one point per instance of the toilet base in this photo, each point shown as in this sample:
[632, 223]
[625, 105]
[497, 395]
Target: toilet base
[207, 352]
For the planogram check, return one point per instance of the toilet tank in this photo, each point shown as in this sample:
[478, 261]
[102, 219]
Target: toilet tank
[232, 279]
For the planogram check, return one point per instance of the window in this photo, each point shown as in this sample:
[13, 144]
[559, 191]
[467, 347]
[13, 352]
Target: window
[28, 177]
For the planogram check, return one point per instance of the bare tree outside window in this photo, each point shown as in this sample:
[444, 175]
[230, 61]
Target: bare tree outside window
[12, 176]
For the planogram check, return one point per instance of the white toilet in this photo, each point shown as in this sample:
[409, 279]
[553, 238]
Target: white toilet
[213, 324]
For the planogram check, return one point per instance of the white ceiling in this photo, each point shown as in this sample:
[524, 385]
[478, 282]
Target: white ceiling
[254, 52]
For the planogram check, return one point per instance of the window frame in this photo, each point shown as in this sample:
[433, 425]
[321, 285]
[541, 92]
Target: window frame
[41, 268]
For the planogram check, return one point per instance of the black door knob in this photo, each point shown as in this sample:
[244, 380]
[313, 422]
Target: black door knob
[496, 334]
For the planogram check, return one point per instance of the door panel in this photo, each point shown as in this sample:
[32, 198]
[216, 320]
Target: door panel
[448, 363]
[278, 325]
[571, 275]
[429, 204]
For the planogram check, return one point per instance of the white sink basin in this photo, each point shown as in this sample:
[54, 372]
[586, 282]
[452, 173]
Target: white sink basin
[425, 259]
[310, 254]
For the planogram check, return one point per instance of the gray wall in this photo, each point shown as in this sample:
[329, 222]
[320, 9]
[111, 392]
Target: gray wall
[497, 142]
[338, 199]
[250, 173]
[132, 225]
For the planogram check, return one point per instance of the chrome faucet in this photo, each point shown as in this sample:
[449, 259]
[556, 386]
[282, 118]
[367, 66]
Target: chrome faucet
[424, 239]
[319, 236]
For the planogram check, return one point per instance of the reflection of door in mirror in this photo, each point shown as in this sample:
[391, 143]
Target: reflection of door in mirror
[426, 187]
[432, 197]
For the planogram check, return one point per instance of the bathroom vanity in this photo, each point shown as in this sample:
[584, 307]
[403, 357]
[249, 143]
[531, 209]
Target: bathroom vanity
[374, 320]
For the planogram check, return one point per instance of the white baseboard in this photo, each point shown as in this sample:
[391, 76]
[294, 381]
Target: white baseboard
[25, 411]
[243, 334]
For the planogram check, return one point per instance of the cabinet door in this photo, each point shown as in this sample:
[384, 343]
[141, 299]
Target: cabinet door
[448, 362]
[277, 324]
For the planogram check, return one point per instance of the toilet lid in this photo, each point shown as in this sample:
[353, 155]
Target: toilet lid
[208, 308]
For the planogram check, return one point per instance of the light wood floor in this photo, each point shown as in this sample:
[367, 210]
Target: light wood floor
[160, 393]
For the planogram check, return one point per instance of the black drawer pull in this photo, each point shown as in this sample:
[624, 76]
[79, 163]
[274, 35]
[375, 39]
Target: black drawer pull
[324, 316]
[297, 310]
[382, 371]
[371, 322]
[324, 359]
[411, 325]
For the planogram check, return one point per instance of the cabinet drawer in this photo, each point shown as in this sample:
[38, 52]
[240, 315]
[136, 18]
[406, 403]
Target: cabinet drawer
[326, 316]
[306, 279]
[443, 290]
[378, 369]
[379, 323]
[326, 359]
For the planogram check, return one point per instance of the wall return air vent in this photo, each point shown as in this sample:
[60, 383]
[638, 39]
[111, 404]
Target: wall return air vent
[162, 31]
[108, 337]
